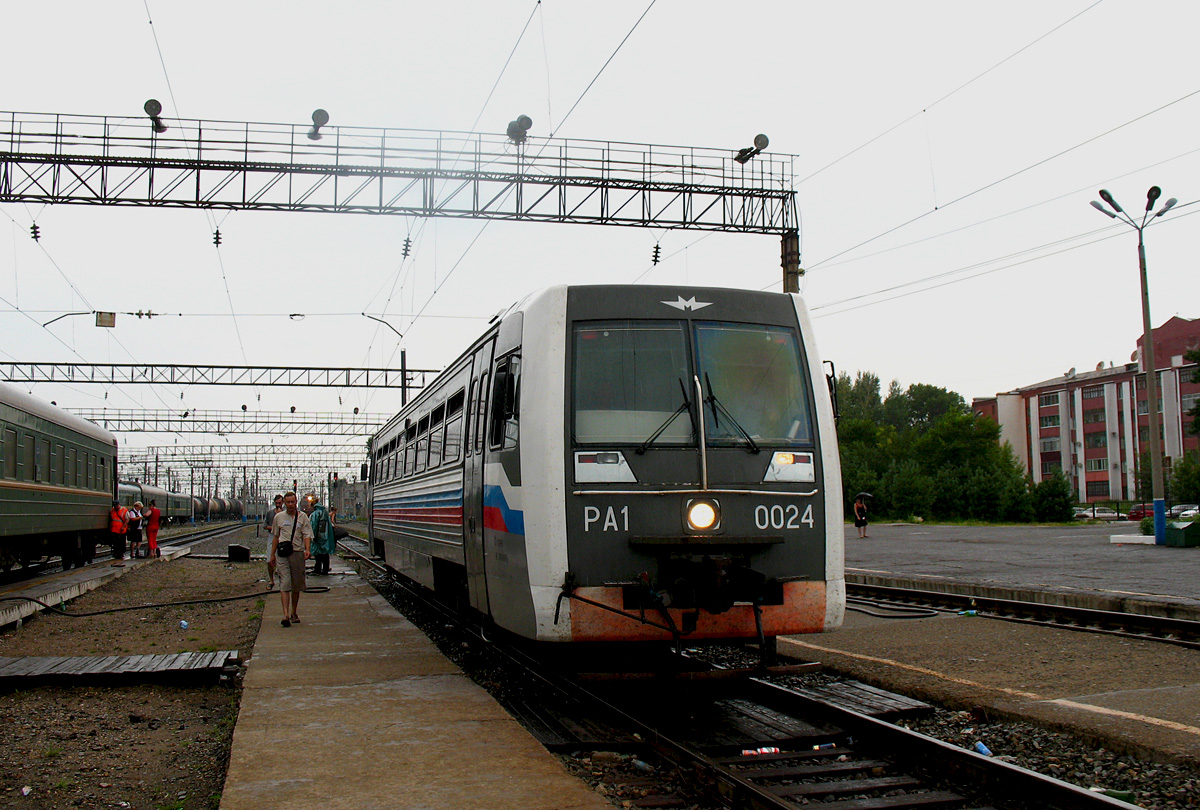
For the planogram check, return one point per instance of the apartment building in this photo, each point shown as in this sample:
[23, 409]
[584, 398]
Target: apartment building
[1094, 425]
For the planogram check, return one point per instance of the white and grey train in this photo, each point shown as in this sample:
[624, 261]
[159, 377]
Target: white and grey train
[624, 463]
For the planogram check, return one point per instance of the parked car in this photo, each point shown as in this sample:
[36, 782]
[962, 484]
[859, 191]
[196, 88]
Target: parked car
[1178, 509]
[1097, 513]
[1141, 510]
[1189, 514]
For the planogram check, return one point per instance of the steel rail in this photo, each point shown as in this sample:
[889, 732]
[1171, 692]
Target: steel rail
[1166, 629]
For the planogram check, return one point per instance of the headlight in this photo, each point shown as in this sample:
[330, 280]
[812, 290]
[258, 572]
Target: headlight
[703, 515]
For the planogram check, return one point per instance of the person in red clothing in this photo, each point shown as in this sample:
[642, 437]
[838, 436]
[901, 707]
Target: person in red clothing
[153, 521]
[118, 527]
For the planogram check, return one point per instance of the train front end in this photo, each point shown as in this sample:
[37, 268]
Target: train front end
[700, 488]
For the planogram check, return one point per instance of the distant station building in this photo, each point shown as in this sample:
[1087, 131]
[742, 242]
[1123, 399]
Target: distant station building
[1083, 423]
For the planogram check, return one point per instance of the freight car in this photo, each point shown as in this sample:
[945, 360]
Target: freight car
[623, 463]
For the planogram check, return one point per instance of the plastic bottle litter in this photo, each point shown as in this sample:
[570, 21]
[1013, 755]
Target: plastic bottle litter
[968, 613]
[983, 749]
[642, 766]
[183, 625]
[824, 746]
[753, 752]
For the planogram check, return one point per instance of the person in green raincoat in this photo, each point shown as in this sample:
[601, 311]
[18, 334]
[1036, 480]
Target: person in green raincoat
[324, 542]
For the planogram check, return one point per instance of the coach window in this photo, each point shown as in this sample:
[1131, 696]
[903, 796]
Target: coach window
[436, 435]
[454, 423]
[84, 461]
[41, 460]
[73, 468]
[58, 465]
[506, 404]
[10, 453]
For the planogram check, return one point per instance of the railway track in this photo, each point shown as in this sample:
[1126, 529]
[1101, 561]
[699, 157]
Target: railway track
[53, 565]
[1181, 632]
[745, 742]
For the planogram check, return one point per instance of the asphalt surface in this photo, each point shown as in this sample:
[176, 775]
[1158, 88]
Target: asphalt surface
[1079, 558]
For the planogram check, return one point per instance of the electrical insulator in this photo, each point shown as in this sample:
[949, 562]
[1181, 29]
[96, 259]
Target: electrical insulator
[407, 247]
[217, 237]
[657, 252]
[35, 232]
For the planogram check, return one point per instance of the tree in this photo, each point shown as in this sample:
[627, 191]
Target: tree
[1145, 480]
[1052, 499]
[906, 491]
[859, 399]
[929, 403]
[1185, 479]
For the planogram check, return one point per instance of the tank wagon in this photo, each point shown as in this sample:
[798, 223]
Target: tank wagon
[623, 463]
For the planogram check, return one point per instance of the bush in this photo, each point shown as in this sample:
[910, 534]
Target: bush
[1052, 499]
[1147, 525]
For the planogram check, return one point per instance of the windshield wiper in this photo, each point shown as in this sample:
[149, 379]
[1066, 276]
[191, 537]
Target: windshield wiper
[686, 406]
[715, 404]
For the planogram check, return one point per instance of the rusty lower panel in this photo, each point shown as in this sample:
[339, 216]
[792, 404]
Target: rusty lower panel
[802, 611]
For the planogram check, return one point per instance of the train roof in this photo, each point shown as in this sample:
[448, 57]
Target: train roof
[18, 399]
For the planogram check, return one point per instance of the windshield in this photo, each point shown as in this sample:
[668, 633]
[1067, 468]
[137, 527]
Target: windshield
[627, 382]
[631, 379]
[754, 374]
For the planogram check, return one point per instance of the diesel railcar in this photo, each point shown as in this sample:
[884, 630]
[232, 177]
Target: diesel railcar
[57, 482]
[623, 463]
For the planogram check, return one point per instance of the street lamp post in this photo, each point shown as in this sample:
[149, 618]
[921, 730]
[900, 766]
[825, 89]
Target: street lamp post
[1150, 368]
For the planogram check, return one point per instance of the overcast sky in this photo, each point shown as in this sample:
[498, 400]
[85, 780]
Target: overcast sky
[956, 248]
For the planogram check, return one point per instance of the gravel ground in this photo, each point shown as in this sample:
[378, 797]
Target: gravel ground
[159, 747]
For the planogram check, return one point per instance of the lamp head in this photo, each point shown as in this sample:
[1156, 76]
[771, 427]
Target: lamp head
[519, 129]
[319, 118]
[1152, 195]
[1108, 198]
[1166, 207]
[1103, 210]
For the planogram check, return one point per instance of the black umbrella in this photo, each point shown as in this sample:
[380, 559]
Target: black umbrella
[864, 495]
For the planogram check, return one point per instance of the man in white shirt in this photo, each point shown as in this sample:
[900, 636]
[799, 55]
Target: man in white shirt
[291, 540]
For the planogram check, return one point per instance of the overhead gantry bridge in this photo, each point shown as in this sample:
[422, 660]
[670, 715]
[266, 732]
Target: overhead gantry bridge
[58, 158]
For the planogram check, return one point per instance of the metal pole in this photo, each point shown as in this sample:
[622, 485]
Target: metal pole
[790, 260]
[1156, 466]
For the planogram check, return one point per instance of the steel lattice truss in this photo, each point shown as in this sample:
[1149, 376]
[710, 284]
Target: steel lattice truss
[245, 456]
[59, 158]
[127, 373]
[229, 422]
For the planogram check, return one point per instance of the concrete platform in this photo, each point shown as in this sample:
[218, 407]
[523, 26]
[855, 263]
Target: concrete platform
[356, 708]
[1126, 694]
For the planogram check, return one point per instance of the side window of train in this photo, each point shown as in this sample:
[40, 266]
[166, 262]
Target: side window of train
[506, 403]
[10, 453]
[480, 408]
[454, 424]
[41, 460]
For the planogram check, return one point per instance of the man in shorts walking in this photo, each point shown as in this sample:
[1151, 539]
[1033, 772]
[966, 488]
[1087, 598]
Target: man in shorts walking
[291, 542]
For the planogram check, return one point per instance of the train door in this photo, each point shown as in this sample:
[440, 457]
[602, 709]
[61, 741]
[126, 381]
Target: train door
[476, 447]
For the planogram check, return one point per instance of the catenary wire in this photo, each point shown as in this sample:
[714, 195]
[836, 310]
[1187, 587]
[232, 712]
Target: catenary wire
[1011, 213]
[1006, 178]
[962, 86]
[1117, 231]
[602, 68]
